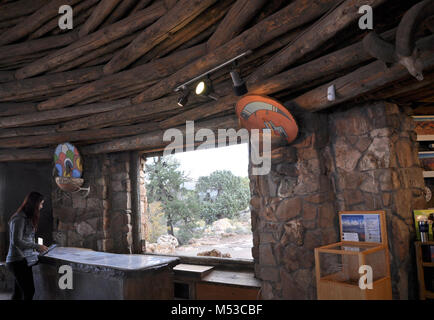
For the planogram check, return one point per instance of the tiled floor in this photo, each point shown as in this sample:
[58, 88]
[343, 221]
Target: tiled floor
[5, 295]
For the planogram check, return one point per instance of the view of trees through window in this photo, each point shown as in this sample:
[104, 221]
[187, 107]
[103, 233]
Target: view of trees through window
[205, 212]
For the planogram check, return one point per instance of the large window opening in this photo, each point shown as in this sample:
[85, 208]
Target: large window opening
[198, 203]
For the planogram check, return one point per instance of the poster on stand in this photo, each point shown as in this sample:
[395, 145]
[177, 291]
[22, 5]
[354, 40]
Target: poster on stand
[361, 227]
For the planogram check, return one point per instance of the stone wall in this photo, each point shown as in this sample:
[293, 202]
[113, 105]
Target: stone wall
[364, 158]
[376, 167]
[102, 220]
[292, 213]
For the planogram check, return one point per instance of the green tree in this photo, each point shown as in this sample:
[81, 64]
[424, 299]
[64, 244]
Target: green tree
[165, 184]
[222, 195]
[187, 208]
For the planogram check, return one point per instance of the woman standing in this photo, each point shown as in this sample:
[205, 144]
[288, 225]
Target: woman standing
[21, 255]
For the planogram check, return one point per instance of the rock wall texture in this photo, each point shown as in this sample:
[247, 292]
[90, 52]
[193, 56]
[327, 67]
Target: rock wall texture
[362, 158]
[102, 220]
[376, 167]
[293, 212]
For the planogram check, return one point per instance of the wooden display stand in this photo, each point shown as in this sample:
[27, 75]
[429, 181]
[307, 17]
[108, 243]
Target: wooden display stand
[337, 265]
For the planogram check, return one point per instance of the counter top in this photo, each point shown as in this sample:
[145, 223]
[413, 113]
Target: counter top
[124, 262]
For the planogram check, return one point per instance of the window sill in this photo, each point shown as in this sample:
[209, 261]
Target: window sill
[221, 263]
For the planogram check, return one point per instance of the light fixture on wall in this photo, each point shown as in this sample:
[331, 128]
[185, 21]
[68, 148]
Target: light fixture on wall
[203, 84]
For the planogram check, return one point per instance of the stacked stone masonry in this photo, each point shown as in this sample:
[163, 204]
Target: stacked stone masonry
[102, 220]
[361, 158]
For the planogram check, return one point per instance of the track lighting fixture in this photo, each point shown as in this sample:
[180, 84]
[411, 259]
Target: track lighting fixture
[183, 99]
[203, 87]
[240, 87]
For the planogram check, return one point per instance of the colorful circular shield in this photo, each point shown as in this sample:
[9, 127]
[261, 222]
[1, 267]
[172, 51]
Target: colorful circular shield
[67, 161]
[261, 112]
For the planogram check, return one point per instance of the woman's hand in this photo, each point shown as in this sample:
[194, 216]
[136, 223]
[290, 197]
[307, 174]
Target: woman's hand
[42, 248]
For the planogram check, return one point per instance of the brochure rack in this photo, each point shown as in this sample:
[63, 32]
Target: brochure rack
[357, 267]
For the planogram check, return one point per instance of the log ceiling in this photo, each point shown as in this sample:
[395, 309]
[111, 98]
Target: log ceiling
[108, 84]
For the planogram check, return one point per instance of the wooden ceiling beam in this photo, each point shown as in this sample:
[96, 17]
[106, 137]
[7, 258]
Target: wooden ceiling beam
[34, 21]
[13, 108]
[20, 8]
[154, 139]
[234, 22]
[30, 154]
[141, 5]
[54, 23]
[102, 10]
[151, 71]
[294, 15]
[28, 131]
[82, 135]
[38, 45]
[12, 91]
[108, 48]
[54, 116]
[200, 24]
[361, 81]
[320, 67]
[175, 19]
[121, 11]
[315, 36]
[94, 41]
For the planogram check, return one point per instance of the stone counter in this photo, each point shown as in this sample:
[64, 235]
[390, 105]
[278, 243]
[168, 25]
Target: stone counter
[104, 276]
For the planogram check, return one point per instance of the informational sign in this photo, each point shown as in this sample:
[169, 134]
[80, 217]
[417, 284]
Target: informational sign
[361, 227]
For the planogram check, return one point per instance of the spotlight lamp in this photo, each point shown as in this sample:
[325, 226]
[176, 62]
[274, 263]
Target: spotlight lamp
[240, 87]
[204, 88]
[183, 99]
[201, 88]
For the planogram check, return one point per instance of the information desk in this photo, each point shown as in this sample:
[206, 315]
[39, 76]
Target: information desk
[104, 276]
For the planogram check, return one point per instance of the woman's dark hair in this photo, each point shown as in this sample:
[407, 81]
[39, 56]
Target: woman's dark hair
[30, 207]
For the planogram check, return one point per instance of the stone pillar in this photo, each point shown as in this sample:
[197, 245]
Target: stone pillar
[293, 212]
[120, 202]
[102, 220]
[376, 167]
[77, 220]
